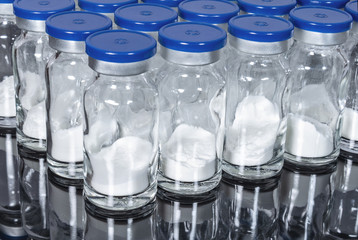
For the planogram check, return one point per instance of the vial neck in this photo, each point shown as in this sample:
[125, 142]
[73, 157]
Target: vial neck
[31, 25]
[321, 39]
[190, 58]
[118, 69]
[6, 9]
[67, 45]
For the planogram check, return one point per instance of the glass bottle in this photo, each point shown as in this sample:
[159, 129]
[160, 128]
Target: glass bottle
[30, 55]
[121, 114]
[67, 75]
[256, 96]
[105, 7]
[324, 3]
[191, 104]
[278, 8]
[8, 33]
[319, 67]
[349, 131]
[213, 12]
[66, 207]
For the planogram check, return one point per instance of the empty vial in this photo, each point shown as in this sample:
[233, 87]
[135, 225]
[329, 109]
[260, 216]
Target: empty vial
[323, 3]
[31, 52]
[191, 105]
[256, 96]
[121, 114]
[8, 33]
[106, 7]
[213, 12]
[67, 75]
[349, 140]
[319, 82]
[278, 8]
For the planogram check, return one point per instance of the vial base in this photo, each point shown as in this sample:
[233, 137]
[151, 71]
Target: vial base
[264, 171]
[37, 145]
[349, 147]
[120, 203]
[7, 122]
[312, 161]
[188, 188]
[70, 170]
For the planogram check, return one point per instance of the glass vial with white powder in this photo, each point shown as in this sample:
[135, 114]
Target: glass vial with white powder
[349, 131]
[319, 67]
[191, 107]
[256, 96]
[31, 52]
[67, 75]
[121, 115]
[8, 33]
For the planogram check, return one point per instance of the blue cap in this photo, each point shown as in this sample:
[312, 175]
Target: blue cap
[321, 19]
[352, 8]
[324, 3]
[192, 37]
[168, 3]
[144, 17]
[267, 7]
[41, 9]
[120, 46]
[6, 1]
[261, 28]
[103, 6]
[207, 11]
[76, 26]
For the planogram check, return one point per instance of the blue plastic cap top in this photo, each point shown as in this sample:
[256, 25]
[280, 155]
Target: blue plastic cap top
[168, 3]
[6, 1]
[192, 37]
[120, 46]
[321, 19]
[103, 6]
[207, 11]
[76, 26]
[41, 9]
[267, 7]
[261, 28]
[352, 8]
[144, 17]
[324, 3]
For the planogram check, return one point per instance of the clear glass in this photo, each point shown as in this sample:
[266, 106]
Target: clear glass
[31, 52]
[256, 114]
[67, 75]
[8, 33]
[34, 195]
[187, 218]
[249, 210]
[66, 208]
[191, 105]
[304, 196]
[349, 130]
[341, 220]
[121, 142]
[319, 84]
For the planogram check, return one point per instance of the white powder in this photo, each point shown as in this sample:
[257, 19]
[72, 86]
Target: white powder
[35, 122]
[7, 97]
[122, 169]
[350, 124]
[33, 88]
[189, 155]
[67, 144]
[306, 137]
[251, 139]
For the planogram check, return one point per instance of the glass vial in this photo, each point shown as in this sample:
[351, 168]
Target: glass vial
[213, 12]
[191, 105]
[349, 131]
[67, 75]
[278, 8]
[121, 114]
[8, 33]
[30, 55]
[256, 96]
[66, 207]
[105, 7]
[319, 82]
